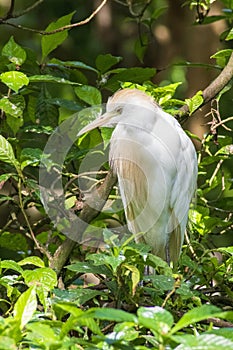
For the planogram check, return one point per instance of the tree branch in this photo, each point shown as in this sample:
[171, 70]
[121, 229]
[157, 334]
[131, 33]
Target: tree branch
[67, 27]
[214, 88]
[88, 213]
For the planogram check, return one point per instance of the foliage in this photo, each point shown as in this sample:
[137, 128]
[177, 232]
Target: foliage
[182, 307]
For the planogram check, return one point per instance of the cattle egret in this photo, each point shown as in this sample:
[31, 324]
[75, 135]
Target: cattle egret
[156, 166]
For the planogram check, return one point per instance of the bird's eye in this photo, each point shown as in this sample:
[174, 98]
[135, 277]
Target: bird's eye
[119, 110]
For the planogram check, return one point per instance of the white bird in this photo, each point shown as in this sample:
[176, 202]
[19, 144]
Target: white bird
[156, 166]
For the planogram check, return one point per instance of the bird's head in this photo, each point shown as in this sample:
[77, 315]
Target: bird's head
[126, 103]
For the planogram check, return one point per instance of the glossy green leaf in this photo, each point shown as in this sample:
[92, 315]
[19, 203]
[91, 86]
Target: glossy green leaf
[14, 80]
[7, 153]
[155, 318]
[25, 306]
[10, 108]
[14, 52]
[43, 276]
[41, 333]
[85, 267]
[104, 259]
[195, 102]
[72, 64]
[32, 260]
[161, 282]
[110, 314]
[105, 62]
[51, 42]
[125, 331]
[196, 315]
[204, 342]
[30, 156]
[229, 35]
[76, 295]
[46, 78]
[89, 94]
[11, 265]
[7, 343]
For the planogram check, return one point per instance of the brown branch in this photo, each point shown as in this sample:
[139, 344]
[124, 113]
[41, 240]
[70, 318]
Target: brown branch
[88, 213]
[61, 29]
[214, 88]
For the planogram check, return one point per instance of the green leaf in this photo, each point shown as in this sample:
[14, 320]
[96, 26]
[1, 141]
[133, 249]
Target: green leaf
[30, 156]
[222, 57]
[76, 295]
[110, 315]
[85, 267]
[222, 53]
[89, 94]
[14, 80]
[32, 260]
[140, 47]
[105, 260]
[229, 35]
[71, 64]
[51, 42]
[13, 241]
[67, 104]
[135, 275]
[228, 250]
[11, 265]
[6, 343]
[7, 153]
[196, 315]
[134, 75]
[43, 276]
[10, 108]
[204, 342]
[40, 333]
[155, 318]
[195, 102]
[46, 78]
[161, 282]
[104, 62]
[25, 306]
[14, 52]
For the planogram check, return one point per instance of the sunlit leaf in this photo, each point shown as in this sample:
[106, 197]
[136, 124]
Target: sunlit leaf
[195, 315]
[14, 80]
[14, 52]
[25, 306]
[155, 318]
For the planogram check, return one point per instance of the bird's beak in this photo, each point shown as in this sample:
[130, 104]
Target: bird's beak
[100, 121]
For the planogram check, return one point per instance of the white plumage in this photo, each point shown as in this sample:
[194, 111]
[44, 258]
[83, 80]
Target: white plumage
[156, 165]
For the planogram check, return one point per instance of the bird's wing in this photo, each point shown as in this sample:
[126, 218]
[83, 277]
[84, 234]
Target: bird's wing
[182, 192]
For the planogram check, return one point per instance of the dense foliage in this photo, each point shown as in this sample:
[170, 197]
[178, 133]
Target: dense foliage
[46, 301]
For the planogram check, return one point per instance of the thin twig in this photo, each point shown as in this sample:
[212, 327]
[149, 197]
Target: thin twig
[222, 122]
[215, 172]
[28, 9]
[61, 29]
